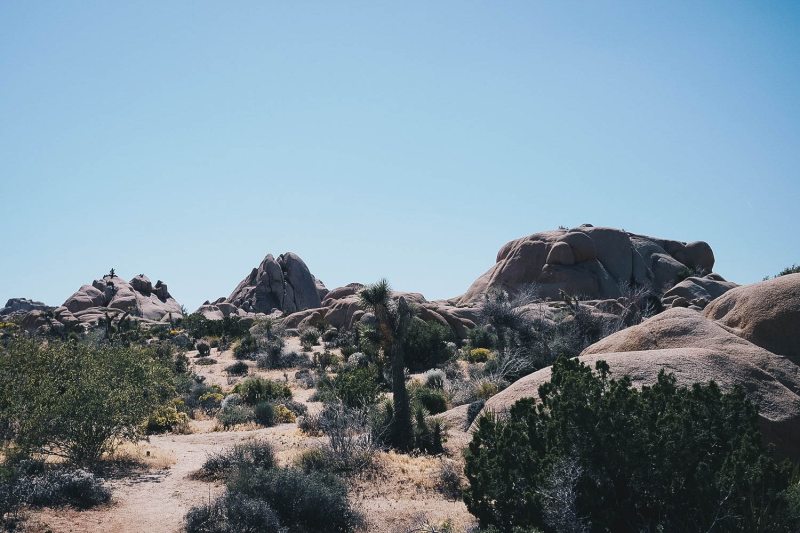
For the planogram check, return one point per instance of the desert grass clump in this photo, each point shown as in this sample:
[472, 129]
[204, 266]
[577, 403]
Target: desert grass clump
[257, 389]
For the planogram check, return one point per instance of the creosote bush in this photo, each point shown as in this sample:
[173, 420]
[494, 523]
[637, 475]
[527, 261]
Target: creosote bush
[78, 400]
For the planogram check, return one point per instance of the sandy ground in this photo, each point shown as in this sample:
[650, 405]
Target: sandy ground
[398, 495]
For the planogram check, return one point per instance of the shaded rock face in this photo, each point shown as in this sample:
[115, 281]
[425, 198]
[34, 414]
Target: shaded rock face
[589, 262]
[697, 292]
[766, 314]
[137, 297]
[21, 306]
[283, 284]
[696, 349]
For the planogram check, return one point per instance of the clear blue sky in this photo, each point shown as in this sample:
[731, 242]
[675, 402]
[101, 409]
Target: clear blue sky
[185, 140]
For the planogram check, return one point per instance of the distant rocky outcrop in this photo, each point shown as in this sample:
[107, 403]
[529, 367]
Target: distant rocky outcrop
[284, 284]
[590, 262]
[138, 298]
[21, 306]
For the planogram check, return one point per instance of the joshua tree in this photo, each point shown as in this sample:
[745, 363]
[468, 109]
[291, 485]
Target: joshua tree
[393, 321]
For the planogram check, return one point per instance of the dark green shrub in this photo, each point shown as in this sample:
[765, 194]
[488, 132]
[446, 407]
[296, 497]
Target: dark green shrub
[246, 348]
[239, 368]
[429, 434]
[597, 453]
[205, 361]
[265, 414]
[426, 344]
[304, 502]
[432, 400]
[257, 389]
[482, 337]
[357, 387]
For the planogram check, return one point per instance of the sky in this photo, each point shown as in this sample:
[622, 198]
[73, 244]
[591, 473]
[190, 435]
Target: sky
[406, 140]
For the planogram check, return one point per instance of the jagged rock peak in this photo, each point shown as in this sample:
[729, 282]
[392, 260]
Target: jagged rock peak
[283, 284]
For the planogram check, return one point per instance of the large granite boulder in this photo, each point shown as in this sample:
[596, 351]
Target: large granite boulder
[283, 284]
[589, 262]
[697, 291]
[766, 314]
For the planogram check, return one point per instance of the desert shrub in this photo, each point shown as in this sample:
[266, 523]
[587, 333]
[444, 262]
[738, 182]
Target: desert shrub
[78, 488]
[425, 344]
[485, 389]
[246, 348]
[599, 454]
[205, 361]
[349, 447]
[167, 418]
[325, 360]
[250, 454]
[298, 408]
[479, 355]
[448, 480]
[357, 387]
[264, 414]
[313, 460]
[233, 415]
[429, 433]
[432, 400]
[257, 389]
[309, 338]
[435, 379]
[304, 502]
[210, 401]
[233, 513]
[283, 415]
[482, 337]
[310, 424]
[79, 400]
[239, 368]
[794, 269]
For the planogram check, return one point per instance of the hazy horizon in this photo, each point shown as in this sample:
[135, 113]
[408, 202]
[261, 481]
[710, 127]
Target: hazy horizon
[187, 140]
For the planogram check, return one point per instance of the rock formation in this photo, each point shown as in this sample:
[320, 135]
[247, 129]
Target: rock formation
[590, 262]
[284, 284]
[742, 338]
[21, 306]
[139, 298]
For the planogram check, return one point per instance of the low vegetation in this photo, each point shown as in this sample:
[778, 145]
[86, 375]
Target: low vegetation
[599, 455]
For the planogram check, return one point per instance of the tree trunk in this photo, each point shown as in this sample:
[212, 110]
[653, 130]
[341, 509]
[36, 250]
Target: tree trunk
[401, 429]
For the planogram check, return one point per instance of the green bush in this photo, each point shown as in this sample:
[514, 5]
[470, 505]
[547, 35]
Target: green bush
[233, 415]
[257, 389]
[251, 454]
[432, 400]
[246, 348]
[233, 513]
[167, 418]
[239, 368]
[79, 400]
[426, 344]
[479, 355]
[357, 387]
[304, 502]
[482, 337]
[599, 454]
[264, 414]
